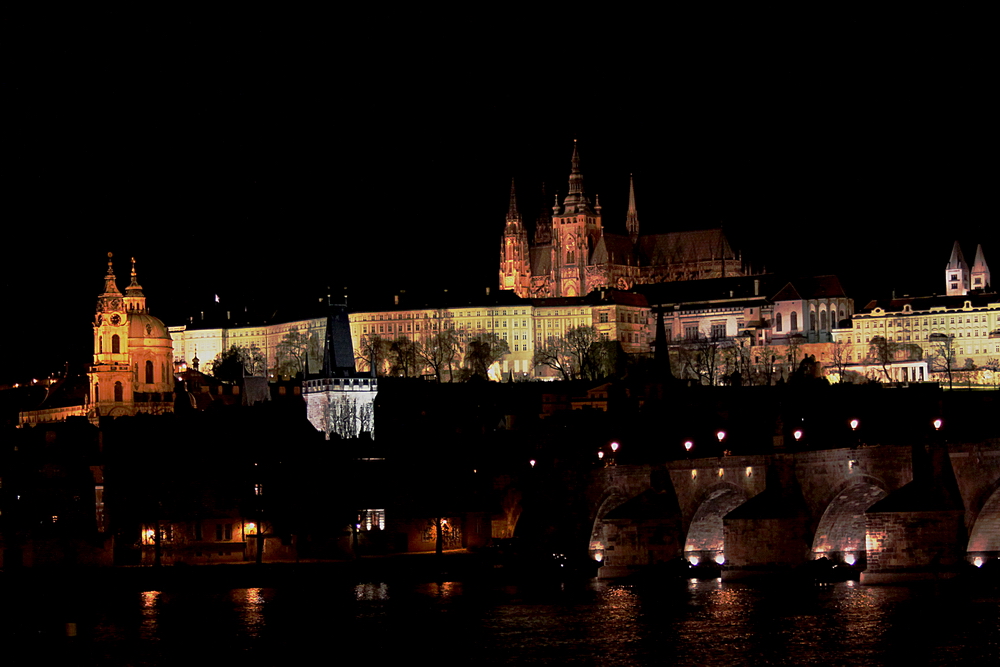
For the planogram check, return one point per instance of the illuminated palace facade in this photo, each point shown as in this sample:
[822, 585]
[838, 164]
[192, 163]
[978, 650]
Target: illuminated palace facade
[524, 324]
[963, 323]
[572, 255]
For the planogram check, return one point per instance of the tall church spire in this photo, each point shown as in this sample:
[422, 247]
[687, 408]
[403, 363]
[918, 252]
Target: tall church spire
[980, 271]
[110, 287]
[134, 298]
[632, 217]
[957, 273]
[576, 201]
[512, 214]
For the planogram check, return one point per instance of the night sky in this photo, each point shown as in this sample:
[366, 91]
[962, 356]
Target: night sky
[263, 164]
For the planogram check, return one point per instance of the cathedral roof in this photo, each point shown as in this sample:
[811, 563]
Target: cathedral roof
[614, 249]
[679, 247]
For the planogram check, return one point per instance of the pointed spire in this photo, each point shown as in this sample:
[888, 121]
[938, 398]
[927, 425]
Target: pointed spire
[109, 279]
[632, 217]
[979, 264]
[134, 288]
[512, 213]
[957, 260]
[576, 200]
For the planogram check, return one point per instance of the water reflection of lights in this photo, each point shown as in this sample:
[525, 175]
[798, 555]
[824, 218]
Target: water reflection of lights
[150, 615]
[379, 591]
[250, 601]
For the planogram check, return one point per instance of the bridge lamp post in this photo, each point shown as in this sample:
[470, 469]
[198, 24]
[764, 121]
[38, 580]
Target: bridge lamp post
[687, 446]
[938, 424]
[798, 435]
[532, 462]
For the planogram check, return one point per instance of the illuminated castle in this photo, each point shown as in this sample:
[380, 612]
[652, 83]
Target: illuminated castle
[572, 254]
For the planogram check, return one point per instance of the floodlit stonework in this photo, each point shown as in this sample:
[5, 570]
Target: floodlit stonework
[572, 254]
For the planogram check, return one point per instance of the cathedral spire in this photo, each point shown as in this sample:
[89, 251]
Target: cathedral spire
[957, 273]
[632, 217]
[576, 200]
[512, 214]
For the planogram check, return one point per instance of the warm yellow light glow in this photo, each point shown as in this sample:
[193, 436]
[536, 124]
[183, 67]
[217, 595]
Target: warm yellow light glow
[694, 473]
[721, 472]
[720, 558]
[977, 561]
[251, 528]
[749, 471]
[693, 560]
[598, 556]
[849, 559]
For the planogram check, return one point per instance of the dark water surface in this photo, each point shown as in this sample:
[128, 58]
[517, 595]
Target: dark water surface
[484, 622]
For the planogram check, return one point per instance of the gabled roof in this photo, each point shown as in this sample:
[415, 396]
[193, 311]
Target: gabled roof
[614, 249]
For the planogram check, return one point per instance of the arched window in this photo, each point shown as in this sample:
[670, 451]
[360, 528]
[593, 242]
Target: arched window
[100, 344]
[115, 344]
[795, 321]
[822, 320]
[777, 321]
[149, 372]
[119, 391]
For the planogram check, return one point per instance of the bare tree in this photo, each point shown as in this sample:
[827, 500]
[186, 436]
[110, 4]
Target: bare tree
[841, 352]
[373, 352]
[556, 356]
[403, 357]
[578, 341]
[292, 353]
[484, 350]
[883, 352]
[440, 351]
[942, 356]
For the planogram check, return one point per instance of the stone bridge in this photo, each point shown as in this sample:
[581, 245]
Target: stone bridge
[895, 513]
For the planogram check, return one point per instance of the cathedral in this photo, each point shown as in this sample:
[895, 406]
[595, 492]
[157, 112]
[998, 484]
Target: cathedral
[572, 255]
[133, 354]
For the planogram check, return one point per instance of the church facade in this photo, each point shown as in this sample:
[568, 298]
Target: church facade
[572, 255]
[133, 366]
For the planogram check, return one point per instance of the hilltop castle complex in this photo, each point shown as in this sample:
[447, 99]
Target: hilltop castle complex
[573, 255]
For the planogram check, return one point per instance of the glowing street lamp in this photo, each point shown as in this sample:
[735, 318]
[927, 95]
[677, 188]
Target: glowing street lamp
[614, 446]
[600, 455]
[688, 445]
[937, 424]
[721, 435]
[854, 424]
[532, 462]
[798, 435]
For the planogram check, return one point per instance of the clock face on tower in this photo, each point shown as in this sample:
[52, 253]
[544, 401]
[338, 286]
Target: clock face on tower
[116, 319]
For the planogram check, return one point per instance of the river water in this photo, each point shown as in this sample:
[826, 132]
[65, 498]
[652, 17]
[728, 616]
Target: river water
[586, 622]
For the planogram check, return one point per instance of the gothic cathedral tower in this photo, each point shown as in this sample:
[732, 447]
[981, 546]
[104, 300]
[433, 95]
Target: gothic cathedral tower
[576, 228]
[515, 267]
[133, 354]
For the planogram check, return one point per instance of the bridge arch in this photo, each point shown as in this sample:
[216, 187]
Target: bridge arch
[984, 538]
[705, 538]
[599, 537]
[840, 535]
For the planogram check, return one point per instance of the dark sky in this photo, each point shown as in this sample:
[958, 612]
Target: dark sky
[262, 163]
